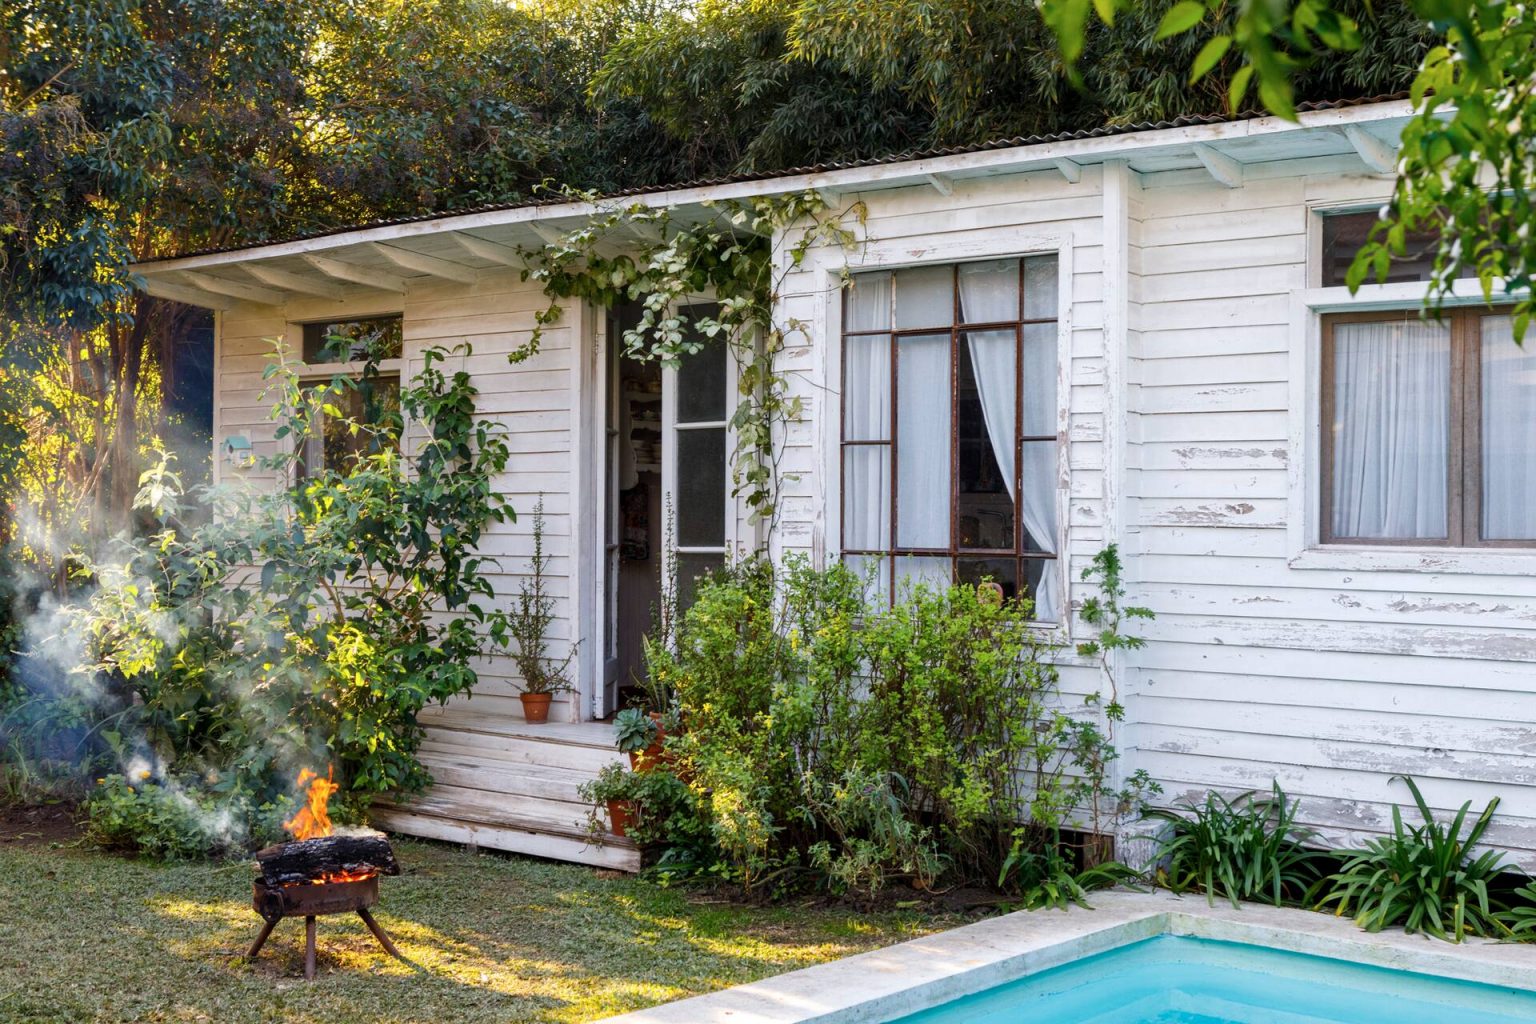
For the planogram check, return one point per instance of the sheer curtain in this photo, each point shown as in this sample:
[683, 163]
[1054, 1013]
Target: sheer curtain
[990, 292]
[1509, 424]
[1392, 406]
[867, 415]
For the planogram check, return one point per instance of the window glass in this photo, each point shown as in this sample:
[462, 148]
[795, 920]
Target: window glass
[1391, 427]
[923, 449]
[346, 341]
[701, 377]
[974, 498]
[925, 297]
[1345, 233]
[701, 490]
[1508, 433]
[375, 405]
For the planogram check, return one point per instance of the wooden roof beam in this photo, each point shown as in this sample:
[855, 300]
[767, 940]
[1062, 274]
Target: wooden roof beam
[234, 289]
[311, 284]
[354, 274]
[487, 250]
[1379, 156]
[943, 184]
[163, 289]
[1070, 169]
[1219, 165]
[432, 266]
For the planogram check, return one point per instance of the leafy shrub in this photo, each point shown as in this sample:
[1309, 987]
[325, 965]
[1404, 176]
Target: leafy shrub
[1244, 848]
[170, 822]
[663, 810]
[302, 626]
[1424, 878]
[848, 742]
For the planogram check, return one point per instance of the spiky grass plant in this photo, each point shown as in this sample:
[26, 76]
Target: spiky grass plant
[1422, 877]
[1245, 848]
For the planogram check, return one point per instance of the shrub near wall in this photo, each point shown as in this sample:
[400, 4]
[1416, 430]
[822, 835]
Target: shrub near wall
[836, 741]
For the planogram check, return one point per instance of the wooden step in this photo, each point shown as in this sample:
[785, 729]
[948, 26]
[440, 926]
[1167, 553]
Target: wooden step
[557, 817]
[543, 781]
[615, 853]
[511, 749]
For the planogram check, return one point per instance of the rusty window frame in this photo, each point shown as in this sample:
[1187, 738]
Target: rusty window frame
[956, 329]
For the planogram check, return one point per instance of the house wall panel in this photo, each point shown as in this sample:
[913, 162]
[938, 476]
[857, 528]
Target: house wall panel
[1331, 681]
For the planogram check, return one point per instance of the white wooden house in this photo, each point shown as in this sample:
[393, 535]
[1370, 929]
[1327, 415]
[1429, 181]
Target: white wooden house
[1330, 505]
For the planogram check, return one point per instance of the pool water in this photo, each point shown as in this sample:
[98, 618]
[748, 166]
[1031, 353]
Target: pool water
[1178, 980]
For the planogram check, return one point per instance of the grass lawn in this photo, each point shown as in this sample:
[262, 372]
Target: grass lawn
[85, 936]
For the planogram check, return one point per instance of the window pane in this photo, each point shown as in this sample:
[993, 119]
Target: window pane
[1040, 288]
[701, 383]
[989, 292]
[1039, 384]
[925, 297]
[1509, 434]
[922, 442]
[374, 403]
[345, 341]
[1391, 427]
[1001, 571]
[912, 571]
[1345, 233]
[987, 413]
[700, 508]
[867, 497]
[867, 388]
[1040, 576]
[869, 302]
[875, 571]
[691, 567]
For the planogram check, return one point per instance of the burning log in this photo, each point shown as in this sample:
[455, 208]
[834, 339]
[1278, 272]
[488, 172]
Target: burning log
[336, 857]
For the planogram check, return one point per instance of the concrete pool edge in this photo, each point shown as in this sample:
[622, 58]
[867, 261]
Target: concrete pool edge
[926, 972]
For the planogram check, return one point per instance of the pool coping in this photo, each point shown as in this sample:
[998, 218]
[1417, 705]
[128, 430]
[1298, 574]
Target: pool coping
[926, 972]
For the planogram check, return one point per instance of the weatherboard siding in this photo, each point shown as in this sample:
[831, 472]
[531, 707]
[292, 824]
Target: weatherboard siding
[1331, 681]
[533, 400]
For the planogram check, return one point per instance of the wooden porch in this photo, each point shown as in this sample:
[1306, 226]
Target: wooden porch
[507, 785]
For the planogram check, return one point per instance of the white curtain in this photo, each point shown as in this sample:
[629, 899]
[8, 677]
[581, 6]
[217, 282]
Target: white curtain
[867, 417]
[923, 442]
[1509, 424]
[1392, 405]
[989, 292]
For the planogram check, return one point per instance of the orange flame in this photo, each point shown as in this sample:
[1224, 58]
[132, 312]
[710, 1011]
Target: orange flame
[312, 821]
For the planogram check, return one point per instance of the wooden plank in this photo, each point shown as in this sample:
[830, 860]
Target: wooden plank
[549, 817]
[614, 853]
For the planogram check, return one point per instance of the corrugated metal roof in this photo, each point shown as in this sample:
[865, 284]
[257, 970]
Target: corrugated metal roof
[893, 158]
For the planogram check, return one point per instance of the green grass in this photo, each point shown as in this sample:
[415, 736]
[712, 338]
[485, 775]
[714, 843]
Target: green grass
[89, 937]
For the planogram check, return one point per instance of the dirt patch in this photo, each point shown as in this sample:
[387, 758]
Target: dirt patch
[39, 825]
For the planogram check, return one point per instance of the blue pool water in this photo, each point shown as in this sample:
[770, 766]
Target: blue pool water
[1176, 980]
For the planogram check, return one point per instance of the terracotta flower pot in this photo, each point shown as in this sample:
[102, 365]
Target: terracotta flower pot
[619, 817]
[535, 707]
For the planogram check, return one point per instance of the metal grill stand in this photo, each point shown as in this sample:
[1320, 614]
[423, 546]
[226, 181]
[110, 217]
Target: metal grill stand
[311, 899]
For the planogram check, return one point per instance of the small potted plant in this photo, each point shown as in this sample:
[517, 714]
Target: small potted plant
[529, 623]
[612, 790]
[638, 735]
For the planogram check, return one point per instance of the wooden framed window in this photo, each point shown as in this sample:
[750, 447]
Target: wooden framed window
[1427, 429]
[949, 435]
[344, 348]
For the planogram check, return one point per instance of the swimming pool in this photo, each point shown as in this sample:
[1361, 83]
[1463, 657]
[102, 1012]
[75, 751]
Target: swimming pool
[1141, 958]
[1182, 980]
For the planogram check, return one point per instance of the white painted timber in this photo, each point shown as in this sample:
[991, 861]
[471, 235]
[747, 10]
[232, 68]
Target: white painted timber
[304, 284]
[421, 263]
[368, 277]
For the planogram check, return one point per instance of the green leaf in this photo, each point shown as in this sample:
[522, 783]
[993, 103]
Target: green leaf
[1181, 17]
[1209, 56]
[1238, 88]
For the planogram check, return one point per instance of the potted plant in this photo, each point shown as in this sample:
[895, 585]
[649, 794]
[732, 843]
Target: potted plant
[528, 624]
[612, 790]
[638, 735]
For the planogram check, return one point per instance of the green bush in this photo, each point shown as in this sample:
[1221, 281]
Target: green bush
[1424, 878]
[171, 822]
[1244, 849]
[840, 741]
[296, 627]
[1520, 918]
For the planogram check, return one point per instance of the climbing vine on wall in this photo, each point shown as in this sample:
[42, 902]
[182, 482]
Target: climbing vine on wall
[738, 257]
